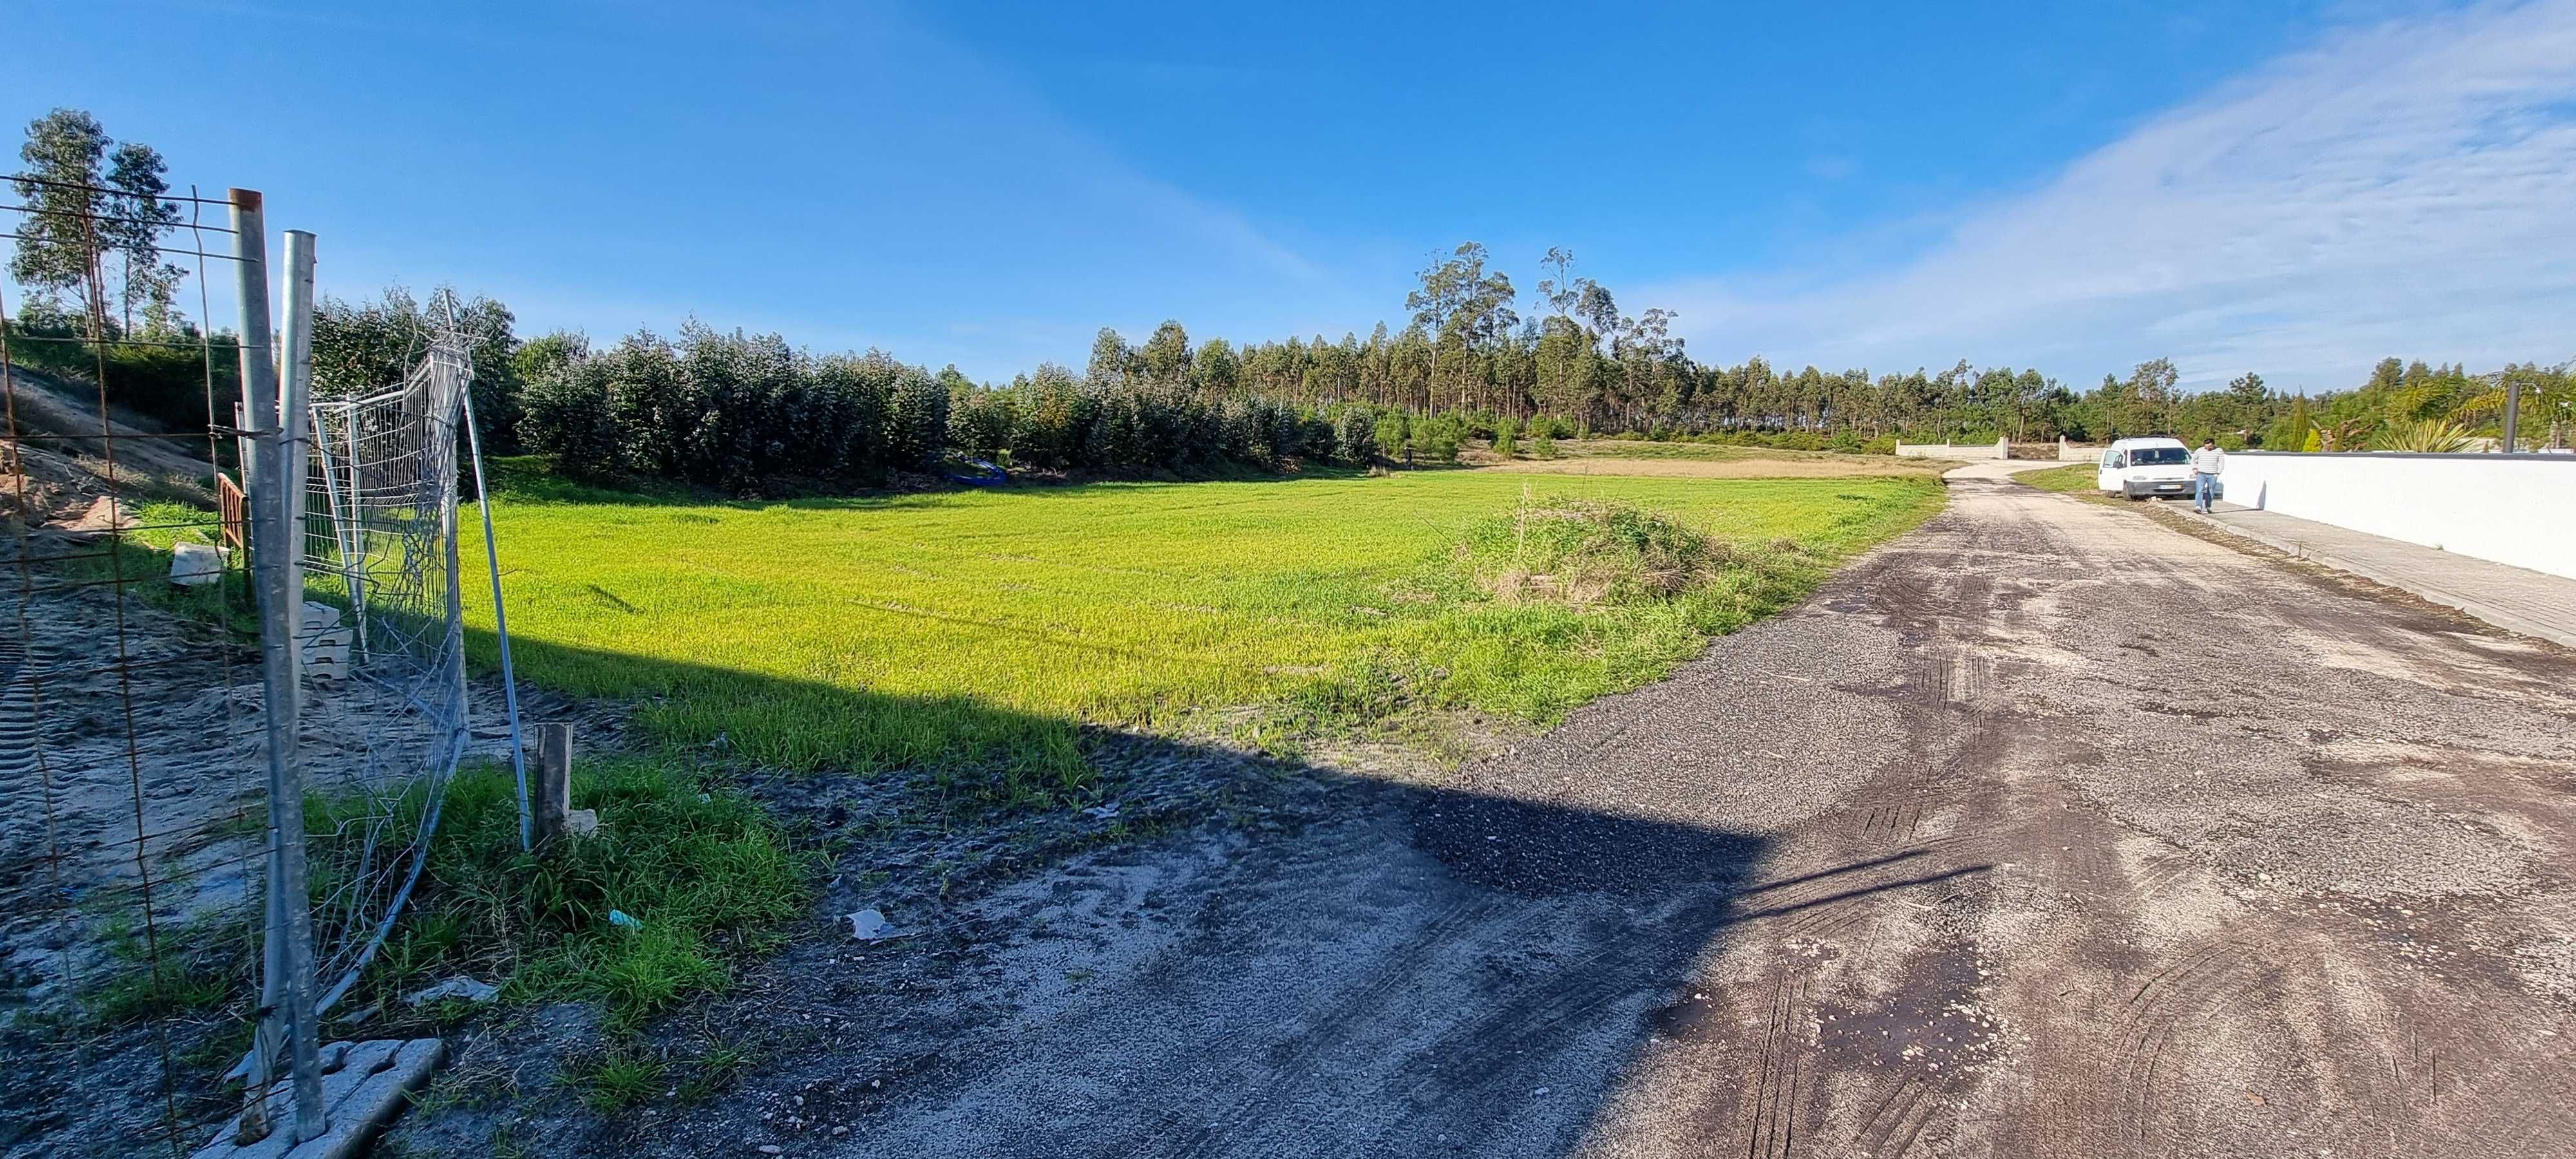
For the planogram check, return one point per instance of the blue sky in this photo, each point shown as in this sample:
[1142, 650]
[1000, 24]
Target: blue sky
[2297, 189]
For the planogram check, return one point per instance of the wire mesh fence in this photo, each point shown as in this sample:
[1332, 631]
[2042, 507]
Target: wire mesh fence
[232, 675]
[132, 835]
[384, 645]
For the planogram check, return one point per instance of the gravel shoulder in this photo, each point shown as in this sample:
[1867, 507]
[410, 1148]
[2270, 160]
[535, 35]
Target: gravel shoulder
[2043, 830]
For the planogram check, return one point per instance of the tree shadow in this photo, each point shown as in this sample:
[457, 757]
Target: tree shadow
[530, 480]
[1194, 950]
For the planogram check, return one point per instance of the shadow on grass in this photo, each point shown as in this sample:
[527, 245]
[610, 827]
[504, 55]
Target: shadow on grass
[1271, 956]
[531, 479]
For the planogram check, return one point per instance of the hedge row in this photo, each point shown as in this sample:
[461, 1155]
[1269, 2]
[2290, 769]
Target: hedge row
[736, 412]
[750, 413]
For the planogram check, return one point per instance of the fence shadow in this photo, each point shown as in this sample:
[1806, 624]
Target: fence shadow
[1207, 952]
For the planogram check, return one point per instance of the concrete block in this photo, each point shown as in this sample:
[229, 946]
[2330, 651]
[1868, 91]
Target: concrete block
[363, 1088]
[196, 564]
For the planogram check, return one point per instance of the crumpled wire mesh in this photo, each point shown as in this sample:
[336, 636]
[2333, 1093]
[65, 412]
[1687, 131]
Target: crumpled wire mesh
[385, 727]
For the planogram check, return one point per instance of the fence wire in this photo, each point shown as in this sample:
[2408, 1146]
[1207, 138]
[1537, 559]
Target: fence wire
[386, 714]
[132, 840]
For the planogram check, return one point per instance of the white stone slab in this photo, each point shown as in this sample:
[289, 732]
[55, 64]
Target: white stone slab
[363, 1084]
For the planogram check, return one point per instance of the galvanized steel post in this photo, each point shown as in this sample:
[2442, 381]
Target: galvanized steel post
[286, 988]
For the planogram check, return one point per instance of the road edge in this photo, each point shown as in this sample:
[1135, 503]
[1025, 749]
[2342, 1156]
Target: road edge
[2429, 593]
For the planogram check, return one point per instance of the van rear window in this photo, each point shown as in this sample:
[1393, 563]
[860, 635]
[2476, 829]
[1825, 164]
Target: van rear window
[2158, 456]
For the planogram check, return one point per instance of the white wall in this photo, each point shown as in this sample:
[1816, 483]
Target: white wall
[1960, 451]
[2514, 509]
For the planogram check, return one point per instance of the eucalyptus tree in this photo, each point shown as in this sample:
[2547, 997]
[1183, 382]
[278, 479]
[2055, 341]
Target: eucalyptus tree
[1109, 359]
[1164, 359]
[94, 204]
[1464, 307]
[1215, 369]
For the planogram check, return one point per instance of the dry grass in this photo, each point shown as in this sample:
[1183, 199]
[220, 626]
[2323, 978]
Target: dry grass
[1800, 467]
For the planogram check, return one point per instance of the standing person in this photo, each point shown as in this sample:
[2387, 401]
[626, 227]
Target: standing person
[2206, 464]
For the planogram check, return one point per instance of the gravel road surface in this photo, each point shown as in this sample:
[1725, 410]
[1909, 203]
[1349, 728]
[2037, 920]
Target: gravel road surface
[2042, 831]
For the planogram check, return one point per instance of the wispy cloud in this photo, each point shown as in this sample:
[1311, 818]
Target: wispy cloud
[2407, 188]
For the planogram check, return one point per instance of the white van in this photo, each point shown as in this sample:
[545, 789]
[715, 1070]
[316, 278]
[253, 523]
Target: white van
[2154, 468]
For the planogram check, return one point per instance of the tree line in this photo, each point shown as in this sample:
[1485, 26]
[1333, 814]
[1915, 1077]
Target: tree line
[1471, 358]
[1582, 360]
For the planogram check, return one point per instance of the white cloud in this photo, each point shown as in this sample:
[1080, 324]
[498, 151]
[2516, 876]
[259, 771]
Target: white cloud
[2405, 189]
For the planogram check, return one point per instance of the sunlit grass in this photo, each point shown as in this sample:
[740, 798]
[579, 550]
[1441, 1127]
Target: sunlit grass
[977, 630]
[2077, 479]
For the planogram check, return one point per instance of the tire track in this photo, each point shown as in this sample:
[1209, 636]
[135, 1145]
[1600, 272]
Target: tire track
[1255, 1100]
[1771, 1130]
[2204, 982]
[1897, 1119]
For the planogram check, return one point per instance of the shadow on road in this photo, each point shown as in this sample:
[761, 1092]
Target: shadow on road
[1299, 961]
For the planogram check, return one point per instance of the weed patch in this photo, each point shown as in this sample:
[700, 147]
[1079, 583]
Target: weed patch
[1583, 552]
[710, 878]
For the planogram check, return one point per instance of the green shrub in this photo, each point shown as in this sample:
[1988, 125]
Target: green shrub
[1393, 433]
[916, 420]
[1437, 438]
[1355, 436]
[163, 384]
[1506, 437]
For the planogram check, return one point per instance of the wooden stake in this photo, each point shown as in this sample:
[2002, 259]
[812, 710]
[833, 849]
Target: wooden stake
[553, 798]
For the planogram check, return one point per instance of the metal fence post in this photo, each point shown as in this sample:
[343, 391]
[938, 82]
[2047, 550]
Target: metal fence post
[295, 396]
[500, 622]
[286, 988]
[2512, 410]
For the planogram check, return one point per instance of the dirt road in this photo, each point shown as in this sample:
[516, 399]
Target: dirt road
[2045, 830]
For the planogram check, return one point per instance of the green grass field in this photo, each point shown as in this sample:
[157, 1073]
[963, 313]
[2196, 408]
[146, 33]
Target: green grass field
[2073, 479]
[1723, 452]
[974, 632]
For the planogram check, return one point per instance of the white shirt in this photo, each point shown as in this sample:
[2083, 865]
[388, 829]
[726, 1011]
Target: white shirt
[2208, 461]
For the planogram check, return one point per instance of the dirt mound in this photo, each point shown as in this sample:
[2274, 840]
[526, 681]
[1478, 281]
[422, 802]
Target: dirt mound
[59, 459]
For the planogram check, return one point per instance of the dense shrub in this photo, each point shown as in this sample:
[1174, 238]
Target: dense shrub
[916, 429]
[1436, 439]
[733, 411]
[1394, 436]
[1355, 435]
[749, 413]
[1506, 437]
[980, 421]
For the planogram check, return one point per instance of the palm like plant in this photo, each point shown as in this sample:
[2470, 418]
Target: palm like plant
[2435, 436]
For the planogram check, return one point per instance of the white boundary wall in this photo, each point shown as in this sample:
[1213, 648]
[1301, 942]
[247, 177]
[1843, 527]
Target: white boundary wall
[2512, 509]
[1966, 452]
